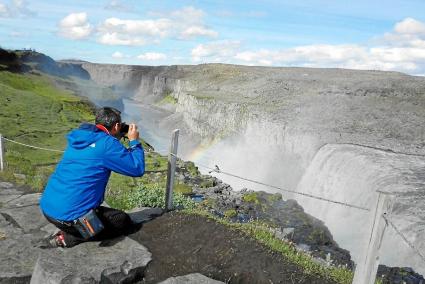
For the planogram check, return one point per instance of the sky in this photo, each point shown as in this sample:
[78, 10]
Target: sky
[372, 34]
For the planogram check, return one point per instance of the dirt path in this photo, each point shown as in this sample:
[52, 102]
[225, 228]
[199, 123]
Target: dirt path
[183, 244]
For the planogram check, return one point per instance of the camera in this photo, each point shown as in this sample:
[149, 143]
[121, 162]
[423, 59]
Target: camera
[124, 129]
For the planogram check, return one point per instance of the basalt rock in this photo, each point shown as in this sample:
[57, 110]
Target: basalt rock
[23, 228]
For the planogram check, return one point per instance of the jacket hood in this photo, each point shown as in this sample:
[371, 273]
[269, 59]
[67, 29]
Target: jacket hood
[84, 136]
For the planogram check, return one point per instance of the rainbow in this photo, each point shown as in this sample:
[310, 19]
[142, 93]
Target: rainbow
[197, 153]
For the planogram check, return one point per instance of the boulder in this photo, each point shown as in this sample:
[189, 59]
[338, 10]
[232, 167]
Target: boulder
[124, 260]
[194, 278]
[23, 227]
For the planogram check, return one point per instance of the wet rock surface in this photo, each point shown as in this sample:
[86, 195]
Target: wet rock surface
[399, 275]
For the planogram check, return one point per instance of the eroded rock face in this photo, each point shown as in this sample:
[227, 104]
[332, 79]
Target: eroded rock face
[22, 228]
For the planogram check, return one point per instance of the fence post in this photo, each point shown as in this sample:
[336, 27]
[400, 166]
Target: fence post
[1, 154]
[367, 266]
[171, 170]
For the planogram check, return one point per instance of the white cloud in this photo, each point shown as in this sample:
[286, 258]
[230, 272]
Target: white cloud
[152, 56]
[75, 26]
[117, 55]
[213, 51]
[194, 31]
[117, 5]
[403, 50]
[4, 10]
[410, 26]
[188, 15]
[185, 23]
[15, 9]
[114, 31]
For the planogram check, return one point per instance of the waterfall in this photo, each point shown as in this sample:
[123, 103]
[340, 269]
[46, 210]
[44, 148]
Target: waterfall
[353, 174]
[286, 156]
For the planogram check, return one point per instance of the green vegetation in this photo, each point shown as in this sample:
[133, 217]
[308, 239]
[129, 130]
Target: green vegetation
[35, 112]
[147, 195]
[192, 169]
[251, 197]
[263, 234]
[230, 213]
[168, 99]
[275, 197]
[183, 188]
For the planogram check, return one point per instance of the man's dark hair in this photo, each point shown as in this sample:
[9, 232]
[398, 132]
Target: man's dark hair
[108, 116]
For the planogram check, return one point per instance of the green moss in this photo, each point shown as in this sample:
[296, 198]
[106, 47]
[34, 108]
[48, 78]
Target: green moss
[251, 198]
[192, 169]
[230, 213]
[183, 189]
[275, 197]
[168, 99]
[206, 183]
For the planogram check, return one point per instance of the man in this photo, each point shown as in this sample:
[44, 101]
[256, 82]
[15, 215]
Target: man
[76, 189]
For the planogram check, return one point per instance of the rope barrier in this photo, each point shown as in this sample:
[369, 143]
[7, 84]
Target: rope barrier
[34, 147]
[404, 238]
[217, 170]
[41, 148]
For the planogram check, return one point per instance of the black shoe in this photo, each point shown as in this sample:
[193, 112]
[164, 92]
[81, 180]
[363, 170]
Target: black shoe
[53, 241]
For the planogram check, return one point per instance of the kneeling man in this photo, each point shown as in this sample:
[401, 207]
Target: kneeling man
[73, 195]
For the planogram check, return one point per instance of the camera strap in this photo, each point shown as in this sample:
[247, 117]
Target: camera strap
[103, 128]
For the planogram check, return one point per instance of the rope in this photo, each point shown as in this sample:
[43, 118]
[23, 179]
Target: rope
[404, 238]
[34, 147]
[41, 148]
[217, 170]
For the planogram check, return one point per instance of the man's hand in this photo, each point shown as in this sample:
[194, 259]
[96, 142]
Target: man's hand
[133, 133]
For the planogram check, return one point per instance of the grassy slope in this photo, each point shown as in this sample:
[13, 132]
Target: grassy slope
[34, 112]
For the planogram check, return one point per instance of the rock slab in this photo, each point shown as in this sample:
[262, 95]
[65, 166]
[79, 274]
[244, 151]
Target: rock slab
[124, 259]
[194, 278]
[22, 228]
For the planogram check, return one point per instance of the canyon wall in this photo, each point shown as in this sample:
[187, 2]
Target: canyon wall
[276, 125]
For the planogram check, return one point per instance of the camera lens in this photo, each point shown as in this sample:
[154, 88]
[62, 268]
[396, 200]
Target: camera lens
[124, 128]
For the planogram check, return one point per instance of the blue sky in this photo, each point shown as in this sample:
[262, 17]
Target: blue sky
[384, 35]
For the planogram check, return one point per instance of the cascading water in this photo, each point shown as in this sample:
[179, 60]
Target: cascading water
[285, 157]
[353, 174]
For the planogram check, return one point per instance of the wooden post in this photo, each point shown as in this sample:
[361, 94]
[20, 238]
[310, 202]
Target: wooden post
[171, 170]
[367, 266]
[1, 153]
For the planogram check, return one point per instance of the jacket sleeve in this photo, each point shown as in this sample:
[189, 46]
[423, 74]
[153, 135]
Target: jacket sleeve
[129, 162]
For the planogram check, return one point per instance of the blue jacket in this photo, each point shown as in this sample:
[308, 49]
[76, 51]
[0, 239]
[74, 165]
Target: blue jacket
[79, 181]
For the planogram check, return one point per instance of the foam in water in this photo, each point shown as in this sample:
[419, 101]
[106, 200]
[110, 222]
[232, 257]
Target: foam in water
[353, 174]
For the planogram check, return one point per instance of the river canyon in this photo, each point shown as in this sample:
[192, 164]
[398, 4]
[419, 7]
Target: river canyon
[334, 133]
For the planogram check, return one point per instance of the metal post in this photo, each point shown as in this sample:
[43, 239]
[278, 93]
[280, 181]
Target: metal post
[1, 154]
[368, 264]
[171, 170]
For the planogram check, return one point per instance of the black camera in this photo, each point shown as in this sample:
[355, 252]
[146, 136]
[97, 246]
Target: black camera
[124, 129]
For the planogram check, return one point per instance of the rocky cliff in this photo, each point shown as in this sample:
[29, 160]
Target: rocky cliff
[270, 124]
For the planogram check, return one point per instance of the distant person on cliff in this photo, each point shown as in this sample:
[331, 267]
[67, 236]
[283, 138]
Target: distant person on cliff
[73, 195]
